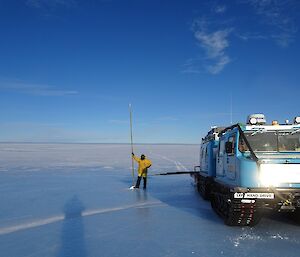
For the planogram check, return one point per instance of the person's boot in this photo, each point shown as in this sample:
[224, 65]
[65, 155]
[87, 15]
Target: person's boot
[137, 185]
[145, 183]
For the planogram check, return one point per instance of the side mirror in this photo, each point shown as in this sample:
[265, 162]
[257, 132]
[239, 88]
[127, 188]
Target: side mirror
[228, 147]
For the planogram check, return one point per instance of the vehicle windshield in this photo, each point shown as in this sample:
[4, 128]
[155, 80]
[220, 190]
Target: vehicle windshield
[271, 141]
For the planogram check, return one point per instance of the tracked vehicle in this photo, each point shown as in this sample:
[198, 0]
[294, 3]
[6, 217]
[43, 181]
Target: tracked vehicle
[247, 169]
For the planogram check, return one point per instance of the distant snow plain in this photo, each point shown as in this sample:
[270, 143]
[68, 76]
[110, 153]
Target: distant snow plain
[74, 200]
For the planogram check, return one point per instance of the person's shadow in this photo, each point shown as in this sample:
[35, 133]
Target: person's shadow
[72, 236]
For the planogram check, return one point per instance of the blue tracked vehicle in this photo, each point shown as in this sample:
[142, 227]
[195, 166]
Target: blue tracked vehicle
[246, 169]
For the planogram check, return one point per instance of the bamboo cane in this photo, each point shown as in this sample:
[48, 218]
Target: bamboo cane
[131, 142]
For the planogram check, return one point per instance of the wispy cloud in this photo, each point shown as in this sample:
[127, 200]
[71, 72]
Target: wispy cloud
[193, 65]
[50, 3]
[33, 89]
[277, 14]
[214, 43]
[273, 20]
[246, 36]
[220, 9]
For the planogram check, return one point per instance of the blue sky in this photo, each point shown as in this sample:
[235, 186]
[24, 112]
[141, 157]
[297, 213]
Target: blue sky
[69, 68]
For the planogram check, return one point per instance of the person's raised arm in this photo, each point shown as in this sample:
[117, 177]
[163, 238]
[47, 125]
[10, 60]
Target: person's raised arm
[135, 158]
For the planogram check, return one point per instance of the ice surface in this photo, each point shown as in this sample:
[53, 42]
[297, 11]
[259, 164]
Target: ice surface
[74, 200]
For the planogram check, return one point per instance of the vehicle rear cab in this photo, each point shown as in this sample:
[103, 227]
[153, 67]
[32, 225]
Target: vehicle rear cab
[207, 167]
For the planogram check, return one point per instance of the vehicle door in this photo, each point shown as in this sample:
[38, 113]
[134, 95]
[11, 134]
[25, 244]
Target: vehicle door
[230, 157]
[220, 158]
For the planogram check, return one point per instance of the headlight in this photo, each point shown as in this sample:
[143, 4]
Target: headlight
[267, 177]
[272, 175]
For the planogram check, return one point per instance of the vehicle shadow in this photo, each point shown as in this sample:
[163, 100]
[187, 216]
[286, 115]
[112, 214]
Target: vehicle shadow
[72, 236]
[184, 196]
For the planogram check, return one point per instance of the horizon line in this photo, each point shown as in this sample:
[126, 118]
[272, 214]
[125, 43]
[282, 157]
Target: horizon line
[110, 143]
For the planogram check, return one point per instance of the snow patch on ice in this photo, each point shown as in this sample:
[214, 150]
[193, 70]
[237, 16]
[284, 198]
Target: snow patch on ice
[33, 224]
[278, 236]
[243, 237]
[246, 236]
[54, 219]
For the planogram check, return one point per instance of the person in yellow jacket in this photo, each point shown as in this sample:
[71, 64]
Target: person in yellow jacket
[144, 164]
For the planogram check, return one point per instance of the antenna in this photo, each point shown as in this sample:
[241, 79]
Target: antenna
[131, 142]
[231, 108]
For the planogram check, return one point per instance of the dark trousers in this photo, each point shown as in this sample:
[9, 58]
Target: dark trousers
[137, 185]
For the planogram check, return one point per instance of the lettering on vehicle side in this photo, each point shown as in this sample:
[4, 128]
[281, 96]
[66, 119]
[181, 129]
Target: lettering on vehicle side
[260, 195]
[254, 195]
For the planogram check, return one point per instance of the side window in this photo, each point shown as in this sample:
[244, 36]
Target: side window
[242, 145]
[231, 139]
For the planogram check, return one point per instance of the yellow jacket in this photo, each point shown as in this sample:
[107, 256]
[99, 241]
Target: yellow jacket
[143, 166]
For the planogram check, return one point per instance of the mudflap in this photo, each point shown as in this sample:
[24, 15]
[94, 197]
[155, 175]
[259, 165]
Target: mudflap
[235, 212]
